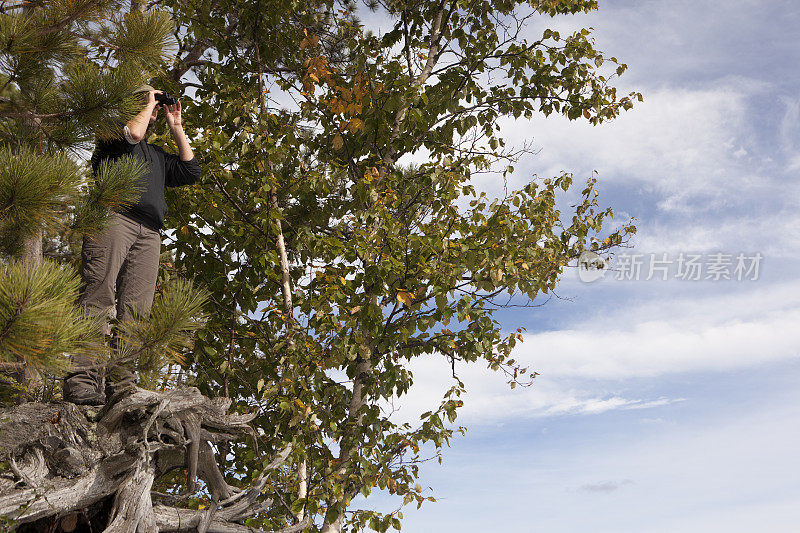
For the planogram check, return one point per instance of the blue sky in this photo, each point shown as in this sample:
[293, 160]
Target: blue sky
[662, 406]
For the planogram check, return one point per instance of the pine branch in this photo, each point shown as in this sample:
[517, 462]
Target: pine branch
[74, 12]
[39, 322]
[115, 185]
[153, 342]
[33, 190]
[144, 40]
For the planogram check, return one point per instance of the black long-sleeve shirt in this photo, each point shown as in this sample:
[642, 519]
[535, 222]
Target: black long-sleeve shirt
[163, 170]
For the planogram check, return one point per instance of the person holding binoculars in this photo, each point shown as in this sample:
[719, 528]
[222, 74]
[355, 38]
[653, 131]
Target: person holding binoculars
[119, 266]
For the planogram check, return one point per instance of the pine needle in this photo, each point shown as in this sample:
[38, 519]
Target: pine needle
[34, 188]
[39, 322]
[152, 343]
[116, 184]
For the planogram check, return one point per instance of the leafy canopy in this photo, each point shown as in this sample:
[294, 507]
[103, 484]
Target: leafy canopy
[306, 122]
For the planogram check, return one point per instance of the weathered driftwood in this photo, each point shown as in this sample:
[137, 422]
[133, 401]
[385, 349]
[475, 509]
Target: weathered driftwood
[66, 466]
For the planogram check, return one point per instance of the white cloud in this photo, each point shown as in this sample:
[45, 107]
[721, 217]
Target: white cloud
[647, 349]
[583, 367]
[775, 235]
[490, 400]
[718, 333]
[730, 470]
[790, 125]
[680, 143]
[793, 164]
[605, 486]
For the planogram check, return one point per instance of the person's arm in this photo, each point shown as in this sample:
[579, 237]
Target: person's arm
[136, 128]
[173, 113]
[180, 172]
[182, 169]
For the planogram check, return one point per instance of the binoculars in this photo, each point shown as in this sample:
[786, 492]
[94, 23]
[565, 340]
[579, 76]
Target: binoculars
[166, 99]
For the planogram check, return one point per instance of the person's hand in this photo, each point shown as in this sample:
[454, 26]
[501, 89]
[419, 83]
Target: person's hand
[151, 98]
[152, 105]
[173, 113]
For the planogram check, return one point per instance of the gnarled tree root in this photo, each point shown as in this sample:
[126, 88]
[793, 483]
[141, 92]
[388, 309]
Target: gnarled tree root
[71, 465]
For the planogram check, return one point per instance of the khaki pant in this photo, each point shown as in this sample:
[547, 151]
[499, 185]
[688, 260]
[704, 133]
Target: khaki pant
[119, 268]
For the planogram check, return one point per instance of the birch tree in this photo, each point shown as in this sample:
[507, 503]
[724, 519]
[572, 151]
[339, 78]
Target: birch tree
[311, 121]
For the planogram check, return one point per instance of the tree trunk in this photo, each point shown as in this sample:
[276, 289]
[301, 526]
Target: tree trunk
[32, 250]
[29, 378]
[286, 279]
[79, 469]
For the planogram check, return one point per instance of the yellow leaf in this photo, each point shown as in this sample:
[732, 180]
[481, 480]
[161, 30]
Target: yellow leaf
[405, 298]
[260, 385]
[355, 125]
[338, 142]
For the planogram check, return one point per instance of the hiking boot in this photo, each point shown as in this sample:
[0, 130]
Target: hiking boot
[120, 381]
[82, 388]
[85, 397]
